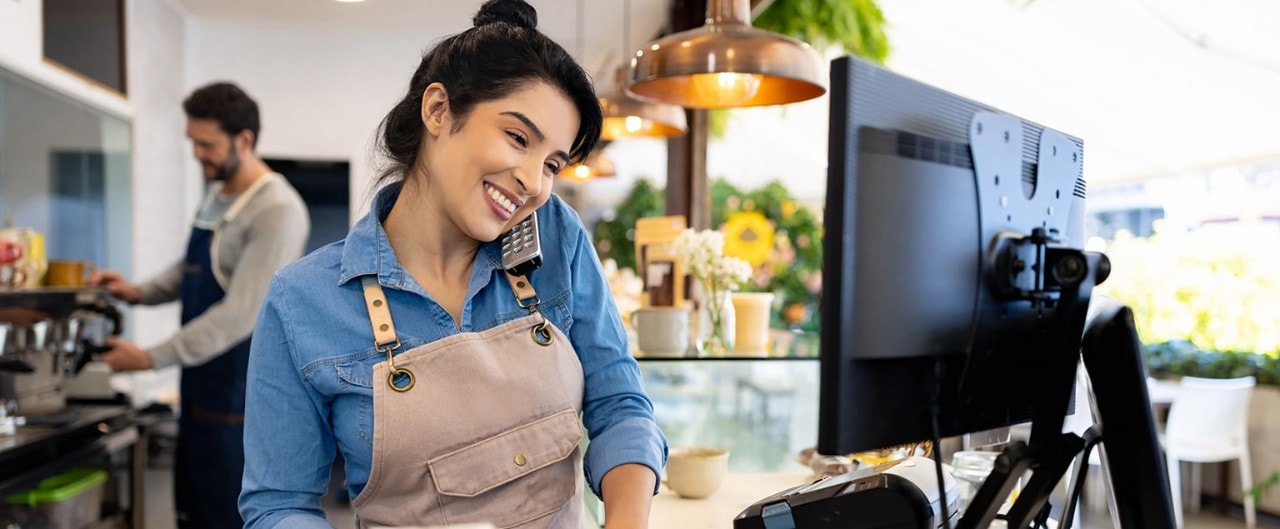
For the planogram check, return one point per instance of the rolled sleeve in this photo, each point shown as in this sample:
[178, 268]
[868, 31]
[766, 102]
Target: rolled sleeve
[632, 440]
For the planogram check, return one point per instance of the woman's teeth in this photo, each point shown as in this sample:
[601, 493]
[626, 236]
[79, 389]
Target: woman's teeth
[501, 199]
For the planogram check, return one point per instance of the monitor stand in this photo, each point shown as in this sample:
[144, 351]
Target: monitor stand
[1135, 460]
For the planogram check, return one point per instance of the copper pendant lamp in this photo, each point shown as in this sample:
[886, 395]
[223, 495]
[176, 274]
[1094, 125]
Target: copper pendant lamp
[726, 63]
[597, 165]
[628, 117]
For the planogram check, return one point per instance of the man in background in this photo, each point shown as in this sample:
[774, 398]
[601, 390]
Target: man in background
[250, 223]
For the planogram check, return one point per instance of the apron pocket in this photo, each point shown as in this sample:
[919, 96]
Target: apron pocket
[513, 477]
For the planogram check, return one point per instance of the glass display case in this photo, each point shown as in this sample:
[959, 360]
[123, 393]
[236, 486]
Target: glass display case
[763, 410]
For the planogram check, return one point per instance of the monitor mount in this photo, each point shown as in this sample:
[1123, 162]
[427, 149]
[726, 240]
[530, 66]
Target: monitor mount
[1058, 281]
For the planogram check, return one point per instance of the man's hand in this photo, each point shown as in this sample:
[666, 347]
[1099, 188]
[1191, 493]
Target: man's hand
[125, 356]
[116, 285]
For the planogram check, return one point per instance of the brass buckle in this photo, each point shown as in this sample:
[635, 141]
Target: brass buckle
[531, 306]
[395, 371]
[541, 332]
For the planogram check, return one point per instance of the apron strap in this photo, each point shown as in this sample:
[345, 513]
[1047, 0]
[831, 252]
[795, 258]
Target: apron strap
[523, 289]
[384, 330]
[384, 333]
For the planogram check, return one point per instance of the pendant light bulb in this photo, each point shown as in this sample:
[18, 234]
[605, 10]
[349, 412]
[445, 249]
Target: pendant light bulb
[729, 88]
[633, 124]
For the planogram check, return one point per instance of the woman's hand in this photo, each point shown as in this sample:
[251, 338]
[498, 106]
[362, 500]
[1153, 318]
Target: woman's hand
[628, 492]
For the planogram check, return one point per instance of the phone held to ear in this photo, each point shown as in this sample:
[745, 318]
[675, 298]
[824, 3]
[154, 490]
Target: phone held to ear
[521, 247]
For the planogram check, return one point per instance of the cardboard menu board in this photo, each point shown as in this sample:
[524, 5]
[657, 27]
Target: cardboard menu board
[661, 268]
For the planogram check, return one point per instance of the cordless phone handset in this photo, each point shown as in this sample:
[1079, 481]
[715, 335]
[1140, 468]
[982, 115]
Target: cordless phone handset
[521, 248]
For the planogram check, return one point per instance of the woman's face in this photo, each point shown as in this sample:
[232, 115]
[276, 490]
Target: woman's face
[498, 166]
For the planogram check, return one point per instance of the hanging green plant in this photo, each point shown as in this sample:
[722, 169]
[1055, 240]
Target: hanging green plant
[857, 26]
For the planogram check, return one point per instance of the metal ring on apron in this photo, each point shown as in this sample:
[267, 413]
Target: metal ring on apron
[395, 371]
[541, 332]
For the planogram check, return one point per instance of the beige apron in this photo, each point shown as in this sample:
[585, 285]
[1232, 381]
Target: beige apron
[475, 427]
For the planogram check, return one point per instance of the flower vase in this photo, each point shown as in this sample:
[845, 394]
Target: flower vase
[716, 340]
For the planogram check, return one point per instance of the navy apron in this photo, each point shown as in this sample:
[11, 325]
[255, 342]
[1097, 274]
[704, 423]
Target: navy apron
[209, 462]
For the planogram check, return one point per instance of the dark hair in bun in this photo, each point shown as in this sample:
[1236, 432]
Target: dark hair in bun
[489, 61]
[514, 12]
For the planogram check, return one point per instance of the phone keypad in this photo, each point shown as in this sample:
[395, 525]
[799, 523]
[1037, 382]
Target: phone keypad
[520, 249]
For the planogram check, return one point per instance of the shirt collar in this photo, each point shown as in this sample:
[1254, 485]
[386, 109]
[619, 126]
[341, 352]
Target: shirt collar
[367, 250]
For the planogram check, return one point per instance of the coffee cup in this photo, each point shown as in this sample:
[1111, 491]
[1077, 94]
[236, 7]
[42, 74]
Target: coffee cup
[67, 273]
[696, 472]
[662, 331]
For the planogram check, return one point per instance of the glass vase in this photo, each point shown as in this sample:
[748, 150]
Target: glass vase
[717, 341]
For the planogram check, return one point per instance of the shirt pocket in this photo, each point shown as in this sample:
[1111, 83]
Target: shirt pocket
[513, 477]
[353, 393]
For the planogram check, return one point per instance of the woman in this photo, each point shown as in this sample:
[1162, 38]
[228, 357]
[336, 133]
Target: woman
[454, 390]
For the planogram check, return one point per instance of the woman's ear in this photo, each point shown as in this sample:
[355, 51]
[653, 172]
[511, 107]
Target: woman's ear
[435, 108]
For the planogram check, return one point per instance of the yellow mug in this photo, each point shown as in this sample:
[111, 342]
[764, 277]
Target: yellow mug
[67, 273]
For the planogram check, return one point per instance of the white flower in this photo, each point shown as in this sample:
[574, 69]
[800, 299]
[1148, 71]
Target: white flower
[703, 252]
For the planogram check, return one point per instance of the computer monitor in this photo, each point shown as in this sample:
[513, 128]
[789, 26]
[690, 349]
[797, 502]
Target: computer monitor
[955, 287]
[910, 320]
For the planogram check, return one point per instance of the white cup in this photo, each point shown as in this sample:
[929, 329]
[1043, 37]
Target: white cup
[662, 331]
[696, 471]
[751, 329]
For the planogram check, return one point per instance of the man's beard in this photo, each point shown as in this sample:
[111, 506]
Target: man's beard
[227, 169]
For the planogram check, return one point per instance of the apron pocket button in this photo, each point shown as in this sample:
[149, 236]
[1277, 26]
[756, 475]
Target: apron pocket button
[521, 460]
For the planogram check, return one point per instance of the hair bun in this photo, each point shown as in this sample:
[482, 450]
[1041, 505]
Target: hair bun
[515, 12]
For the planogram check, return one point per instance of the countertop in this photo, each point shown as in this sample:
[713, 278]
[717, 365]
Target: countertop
[718, 511]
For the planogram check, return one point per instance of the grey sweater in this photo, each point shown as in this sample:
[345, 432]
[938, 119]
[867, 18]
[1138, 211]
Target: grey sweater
[255, 233]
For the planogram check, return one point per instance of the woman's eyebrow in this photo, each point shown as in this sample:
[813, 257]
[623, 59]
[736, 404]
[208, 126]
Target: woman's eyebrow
[536, 131]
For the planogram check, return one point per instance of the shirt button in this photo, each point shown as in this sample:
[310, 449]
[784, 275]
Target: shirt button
[521, 460]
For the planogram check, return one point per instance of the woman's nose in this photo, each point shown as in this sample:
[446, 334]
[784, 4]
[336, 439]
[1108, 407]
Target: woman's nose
[530, 181]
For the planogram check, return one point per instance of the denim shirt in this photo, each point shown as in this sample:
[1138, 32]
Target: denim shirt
[310, 388]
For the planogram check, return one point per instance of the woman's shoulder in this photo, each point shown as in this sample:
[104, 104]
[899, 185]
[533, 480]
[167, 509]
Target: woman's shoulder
[557, 221]
[320, 267]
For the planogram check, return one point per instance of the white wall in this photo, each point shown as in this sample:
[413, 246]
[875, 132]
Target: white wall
[321, 94]
[164, 190]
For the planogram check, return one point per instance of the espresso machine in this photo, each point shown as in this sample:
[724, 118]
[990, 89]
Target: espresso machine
[47, 335]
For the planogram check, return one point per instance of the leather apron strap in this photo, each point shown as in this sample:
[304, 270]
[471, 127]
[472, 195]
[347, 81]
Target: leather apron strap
[384, 333]
[386, 341]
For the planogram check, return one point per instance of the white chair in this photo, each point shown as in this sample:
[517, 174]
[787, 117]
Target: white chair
[1209, 423]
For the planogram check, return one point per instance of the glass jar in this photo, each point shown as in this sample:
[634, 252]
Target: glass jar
[971, 468]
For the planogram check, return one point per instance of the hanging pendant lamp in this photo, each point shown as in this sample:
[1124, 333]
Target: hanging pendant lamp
[597, 165]
[726, 63]
[628, 117]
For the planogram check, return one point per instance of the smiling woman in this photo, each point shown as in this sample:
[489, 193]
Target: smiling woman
[379, 344]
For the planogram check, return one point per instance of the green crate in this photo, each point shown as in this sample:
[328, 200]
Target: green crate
[60, 488]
